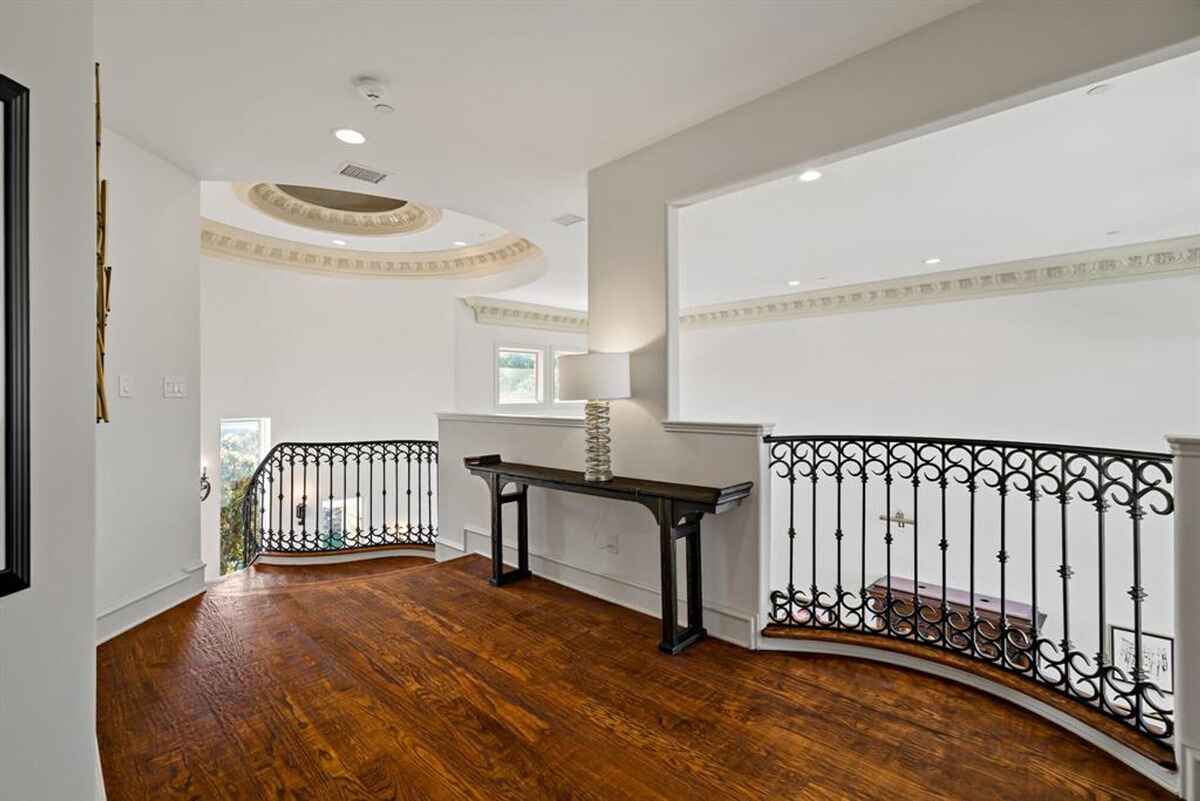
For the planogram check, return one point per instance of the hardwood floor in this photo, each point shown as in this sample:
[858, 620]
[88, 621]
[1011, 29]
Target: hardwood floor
[396, 679]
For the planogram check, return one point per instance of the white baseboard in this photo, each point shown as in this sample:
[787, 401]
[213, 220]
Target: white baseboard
[1189, 771]
[101, 793]
[335, 558]
[1168, 779]
[172, 592]
[722, 622]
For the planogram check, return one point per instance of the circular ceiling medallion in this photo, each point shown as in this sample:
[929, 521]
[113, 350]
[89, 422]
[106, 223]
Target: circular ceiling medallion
[337, 211]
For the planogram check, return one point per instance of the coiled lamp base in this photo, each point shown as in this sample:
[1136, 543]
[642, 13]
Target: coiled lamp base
[598, 466]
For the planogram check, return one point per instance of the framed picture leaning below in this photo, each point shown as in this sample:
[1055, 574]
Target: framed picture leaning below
[1158, 656]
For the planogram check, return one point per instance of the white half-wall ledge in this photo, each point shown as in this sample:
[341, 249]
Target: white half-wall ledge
[512, 419]
[675, 426]
[154, 601]
[757, 430]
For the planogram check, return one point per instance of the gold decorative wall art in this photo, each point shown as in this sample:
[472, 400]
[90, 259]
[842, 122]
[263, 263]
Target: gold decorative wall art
[103, 272]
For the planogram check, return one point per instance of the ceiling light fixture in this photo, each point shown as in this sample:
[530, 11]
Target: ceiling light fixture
[793, 283]
[460, 244]
[349, 136]
[339, 241]
[934, 260]
[808, 176]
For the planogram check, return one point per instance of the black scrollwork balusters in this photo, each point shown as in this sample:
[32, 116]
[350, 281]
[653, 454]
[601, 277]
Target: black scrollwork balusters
[361, 517]
[1006, 528]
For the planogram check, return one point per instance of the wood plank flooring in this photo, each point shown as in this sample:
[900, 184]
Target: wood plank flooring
[397, 679]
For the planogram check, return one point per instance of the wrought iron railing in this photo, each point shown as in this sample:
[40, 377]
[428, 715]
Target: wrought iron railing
[311, 498]
[1026, 580]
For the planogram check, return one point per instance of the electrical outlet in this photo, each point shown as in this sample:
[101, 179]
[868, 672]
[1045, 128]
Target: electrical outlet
[125, 387]
[606, 540]
[174, 387]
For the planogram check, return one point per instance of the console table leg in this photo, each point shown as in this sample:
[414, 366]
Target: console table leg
[497, 533]
[666, 533]
[695, 602]
[523, 530]
[520, 497]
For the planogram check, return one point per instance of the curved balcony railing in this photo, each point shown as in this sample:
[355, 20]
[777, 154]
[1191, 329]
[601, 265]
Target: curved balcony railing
[1050, 562]
[314, 498]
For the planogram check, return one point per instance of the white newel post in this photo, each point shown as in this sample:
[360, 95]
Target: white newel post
[1187, 612]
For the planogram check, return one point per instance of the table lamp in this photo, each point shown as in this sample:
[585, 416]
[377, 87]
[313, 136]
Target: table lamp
[596, 378]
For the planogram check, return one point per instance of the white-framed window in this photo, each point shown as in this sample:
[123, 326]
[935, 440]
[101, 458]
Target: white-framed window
[556, 352]
[525, 378]
[519, 376]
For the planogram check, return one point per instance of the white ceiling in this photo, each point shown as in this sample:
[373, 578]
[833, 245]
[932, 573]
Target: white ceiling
[1055, 176]
[219, 201]
[501, 107]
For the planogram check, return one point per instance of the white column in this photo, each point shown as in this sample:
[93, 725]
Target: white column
[1187, 612]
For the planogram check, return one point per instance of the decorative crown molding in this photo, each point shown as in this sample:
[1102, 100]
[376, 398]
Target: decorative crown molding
[275, 202]
[492, 311]
[500, 254]
[1160, 259]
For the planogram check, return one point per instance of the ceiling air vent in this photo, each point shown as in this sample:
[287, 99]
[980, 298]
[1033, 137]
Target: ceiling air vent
[361, 173]
[567, 219]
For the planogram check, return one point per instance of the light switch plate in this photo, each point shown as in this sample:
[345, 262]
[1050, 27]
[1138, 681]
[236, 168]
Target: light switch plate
[174, 387]
[125, 387]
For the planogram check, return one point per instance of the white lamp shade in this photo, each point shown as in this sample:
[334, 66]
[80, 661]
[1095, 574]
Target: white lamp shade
[593, 376]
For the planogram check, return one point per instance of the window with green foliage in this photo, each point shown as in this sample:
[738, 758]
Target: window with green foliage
[243, 444]
[518, 376]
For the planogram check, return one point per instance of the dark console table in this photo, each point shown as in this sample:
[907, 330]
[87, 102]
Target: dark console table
[676, 507]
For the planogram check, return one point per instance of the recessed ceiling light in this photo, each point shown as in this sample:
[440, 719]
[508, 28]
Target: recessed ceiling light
[350, 136]
[809, 176]
[934, 260]
[460, 244]
[793, 283]
[1100, 89]
[339, 241]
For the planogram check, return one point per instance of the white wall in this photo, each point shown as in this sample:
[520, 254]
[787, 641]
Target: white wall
[1110, 365]
[47, 646]
[148, 456]
[474, 365]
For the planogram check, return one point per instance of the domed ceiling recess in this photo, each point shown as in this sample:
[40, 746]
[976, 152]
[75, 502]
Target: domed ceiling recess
[319, 229]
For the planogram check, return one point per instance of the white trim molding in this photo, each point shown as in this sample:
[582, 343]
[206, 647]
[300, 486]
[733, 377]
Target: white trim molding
[723, 623]
[497, 255]
[494, 311]
[338, 558]
[1160, 259]
[756, 430]
[512, 419]
[135, 611]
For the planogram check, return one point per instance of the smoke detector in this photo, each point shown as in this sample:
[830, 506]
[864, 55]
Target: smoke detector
[375, 92]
